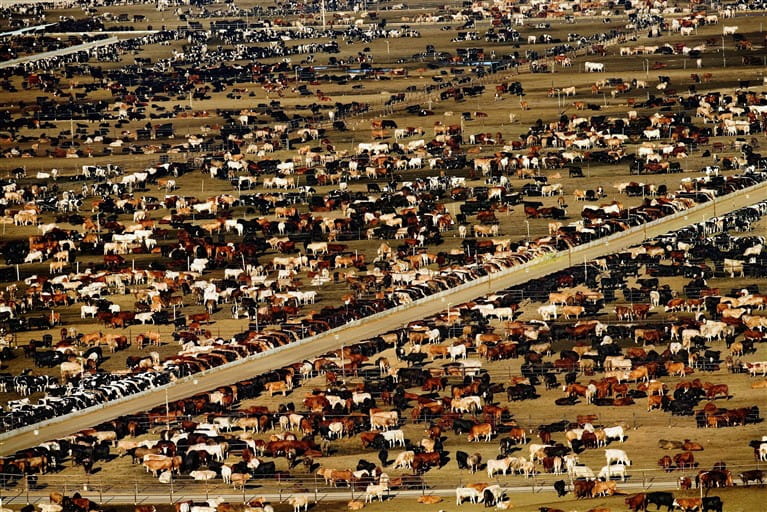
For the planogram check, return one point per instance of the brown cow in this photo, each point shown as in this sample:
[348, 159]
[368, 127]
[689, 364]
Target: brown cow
[583, 488]
[640, 311]
[688, 504]
[276, 387]
[423, 461]
[636, 502]
[654, 402]
[684, 460]
[604, 488]
[715, 390]
[667, 463]
[482, 430]
[691, 446]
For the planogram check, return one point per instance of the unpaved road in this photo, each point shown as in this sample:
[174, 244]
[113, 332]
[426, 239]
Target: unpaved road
[372, 326]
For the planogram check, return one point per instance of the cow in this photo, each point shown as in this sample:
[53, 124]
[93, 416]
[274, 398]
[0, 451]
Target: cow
[688, 504]
[494, 466]
[755, 475]
[603, 489]
[607, 472]
[404, 460]
[462, 493]
[276, 387]
[298, 502]
[482, 430]
[661, 499]
[583, 488]
[637, 502]
[619, 456]
[712, 503]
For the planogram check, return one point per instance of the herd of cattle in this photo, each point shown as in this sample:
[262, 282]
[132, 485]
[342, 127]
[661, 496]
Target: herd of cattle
[223, 434]
[219, 435]
[405, 277]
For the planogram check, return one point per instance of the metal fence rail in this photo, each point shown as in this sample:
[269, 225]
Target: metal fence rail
[137, 489]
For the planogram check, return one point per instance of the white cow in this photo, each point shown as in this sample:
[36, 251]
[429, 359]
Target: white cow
[394, 437]
[404, 460]
[615, 433]
[298, 502]
[576, 472]
[471, 493]
[619, 456]
[457, 351]
[607, 472]
[495, 465]
[88, 310]
[548, 312]
[596, 67]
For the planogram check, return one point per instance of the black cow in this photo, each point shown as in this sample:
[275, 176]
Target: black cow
[265, 470]
[383, 458]
[489, 498]
[661, 499]
[462, 426]
[561, 487]
[461, 458]
[712, 503]
[365, 465]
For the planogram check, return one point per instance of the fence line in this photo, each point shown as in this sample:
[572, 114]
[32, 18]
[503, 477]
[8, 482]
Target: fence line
[36, 489]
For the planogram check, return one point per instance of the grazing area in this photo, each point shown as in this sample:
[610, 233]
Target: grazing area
[191, 188]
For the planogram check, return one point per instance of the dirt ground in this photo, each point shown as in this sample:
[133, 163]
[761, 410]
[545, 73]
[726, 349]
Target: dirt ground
[724, 444]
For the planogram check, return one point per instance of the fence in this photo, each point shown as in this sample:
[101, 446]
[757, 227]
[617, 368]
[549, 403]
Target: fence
[59, 53]
[143, 488]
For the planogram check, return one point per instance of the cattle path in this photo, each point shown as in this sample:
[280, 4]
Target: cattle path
[371, 326]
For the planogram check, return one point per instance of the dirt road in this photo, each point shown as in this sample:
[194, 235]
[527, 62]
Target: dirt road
[371, 326]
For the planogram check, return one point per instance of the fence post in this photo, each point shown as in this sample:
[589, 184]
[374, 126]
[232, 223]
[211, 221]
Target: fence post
[101, 491]
[26, 486]
[315, 488]
[135, 493]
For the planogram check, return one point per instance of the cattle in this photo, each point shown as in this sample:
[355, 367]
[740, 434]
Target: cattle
[584, 472]
[754, 475]
[483, 430]
[615, 433]
[688, 504]
[711, 504]
[376, 491]
[607, 472]
[423, 461]
[660, 499]
[583, 488]
[603, 489]
[619, 456]
[299, 501]
[560, 486]
[404, 460]
[499, 465]
[462, 493]
[636, 502]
